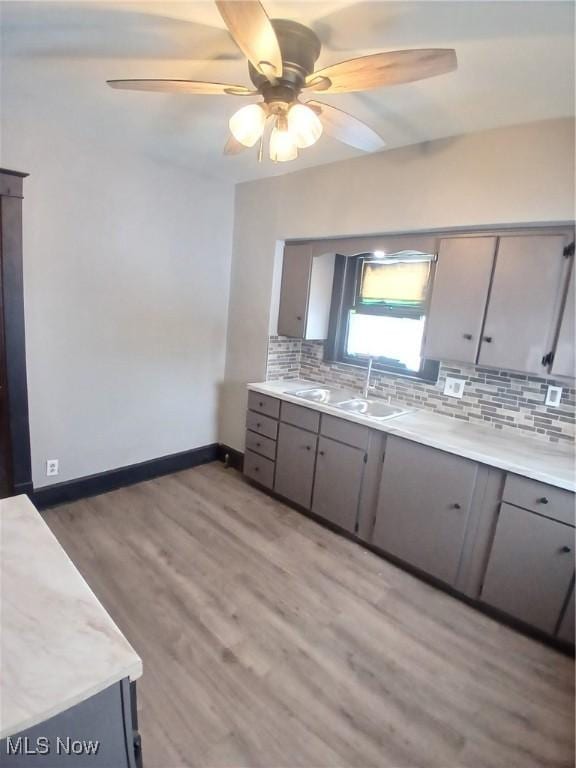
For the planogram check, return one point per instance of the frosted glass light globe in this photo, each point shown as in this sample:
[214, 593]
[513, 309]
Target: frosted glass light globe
[247, 125]
[304, 125]
[282, 146]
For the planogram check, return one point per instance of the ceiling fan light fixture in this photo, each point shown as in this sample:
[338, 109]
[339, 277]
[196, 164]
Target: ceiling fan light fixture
[247, 124]
[282, 145]
[304, 125]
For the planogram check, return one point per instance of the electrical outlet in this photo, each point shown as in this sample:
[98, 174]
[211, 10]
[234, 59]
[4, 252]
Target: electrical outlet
[454, 387]
[51, 467]
[553, 396]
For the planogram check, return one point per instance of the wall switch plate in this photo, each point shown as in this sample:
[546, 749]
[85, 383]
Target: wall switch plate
[51, 467]
[553, 396]
[454, 387]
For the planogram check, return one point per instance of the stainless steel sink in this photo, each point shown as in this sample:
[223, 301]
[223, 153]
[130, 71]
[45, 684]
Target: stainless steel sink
[322, 395]
[372, 408]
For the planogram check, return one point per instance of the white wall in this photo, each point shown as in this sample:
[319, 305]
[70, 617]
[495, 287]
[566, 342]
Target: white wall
[126, 267]
[506, 176]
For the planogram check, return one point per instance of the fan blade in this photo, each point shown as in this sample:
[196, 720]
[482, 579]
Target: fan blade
[254, 34]
[380, 69]
[181, 86]
[233, 147]
[342, 126]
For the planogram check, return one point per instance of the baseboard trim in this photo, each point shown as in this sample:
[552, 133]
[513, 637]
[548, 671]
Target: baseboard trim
[93, 485]
[231, 457]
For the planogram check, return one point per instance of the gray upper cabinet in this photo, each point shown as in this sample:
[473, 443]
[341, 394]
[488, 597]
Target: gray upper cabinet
[296, 269]
[423, 506]
[339, 472]
[564, 363]
[525, 297]
[306, 291]
[530, 568]
[459, 296]
[295, 459]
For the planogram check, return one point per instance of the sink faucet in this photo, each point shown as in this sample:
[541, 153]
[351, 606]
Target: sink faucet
[367, 382]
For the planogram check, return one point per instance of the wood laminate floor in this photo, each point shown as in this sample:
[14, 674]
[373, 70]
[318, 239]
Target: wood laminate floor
[270, 641]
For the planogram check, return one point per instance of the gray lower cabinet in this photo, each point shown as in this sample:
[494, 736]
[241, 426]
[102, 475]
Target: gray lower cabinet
[295, 459]
[423, 505]
[566, 628]
[338, 482]
[530, 568]
[100, 732]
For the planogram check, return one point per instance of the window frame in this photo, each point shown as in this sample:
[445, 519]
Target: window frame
[346, 287]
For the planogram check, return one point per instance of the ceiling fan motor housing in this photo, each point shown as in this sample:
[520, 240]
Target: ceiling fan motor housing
[300, 48]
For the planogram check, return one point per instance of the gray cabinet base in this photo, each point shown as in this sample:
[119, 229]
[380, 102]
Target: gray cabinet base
[101, 732]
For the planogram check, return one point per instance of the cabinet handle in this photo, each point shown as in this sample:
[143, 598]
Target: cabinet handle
[257, 445]
[543, 500]
[260, 404]
[298, 317]
[564, 550]
[467, 336]
[487, 339]
[258, 424]
[320, 453]
[256, 469]
[456, 506]
[308, 448]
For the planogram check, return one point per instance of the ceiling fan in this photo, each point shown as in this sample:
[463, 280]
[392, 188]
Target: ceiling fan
[281, 56]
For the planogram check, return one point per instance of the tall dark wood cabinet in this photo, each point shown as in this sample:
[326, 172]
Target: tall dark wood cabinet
[15, 466]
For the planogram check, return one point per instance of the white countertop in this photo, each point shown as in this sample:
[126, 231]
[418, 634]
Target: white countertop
[58, 644]
[525, 456]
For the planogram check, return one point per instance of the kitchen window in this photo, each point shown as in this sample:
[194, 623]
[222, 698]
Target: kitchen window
[379, 310]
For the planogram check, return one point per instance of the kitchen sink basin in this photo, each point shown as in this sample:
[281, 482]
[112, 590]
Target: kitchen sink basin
[372, 408]
[322, 395]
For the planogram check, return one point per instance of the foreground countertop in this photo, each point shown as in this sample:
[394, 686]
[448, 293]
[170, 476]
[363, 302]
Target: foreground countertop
[58, 644]
[530, 457]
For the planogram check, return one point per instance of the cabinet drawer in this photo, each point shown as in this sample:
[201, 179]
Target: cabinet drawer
[345, 431]
[259, 469]
[262, 445]
[269, 406]
[305, 418]
[262, 424]
[538, 497]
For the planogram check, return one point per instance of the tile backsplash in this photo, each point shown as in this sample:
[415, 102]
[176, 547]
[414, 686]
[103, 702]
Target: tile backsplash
[501, 399]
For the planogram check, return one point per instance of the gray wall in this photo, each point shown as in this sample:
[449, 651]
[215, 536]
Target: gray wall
[508, 175]
[127, 264]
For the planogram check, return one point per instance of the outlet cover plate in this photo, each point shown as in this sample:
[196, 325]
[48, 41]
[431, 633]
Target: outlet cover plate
[454, 387]
[553, 396]
[52, 467]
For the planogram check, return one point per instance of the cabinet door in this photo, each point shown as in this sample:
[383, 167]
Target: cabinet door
[338, 481]
[524, 299]
[295, 458]
[423, 506]
[564, 362]
[459, 296]
[530, 567]
[566, 628]
[294, 290]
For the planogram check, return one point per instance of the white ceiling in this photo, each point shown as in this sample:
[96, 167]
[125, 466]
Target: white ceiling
[516, 64]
